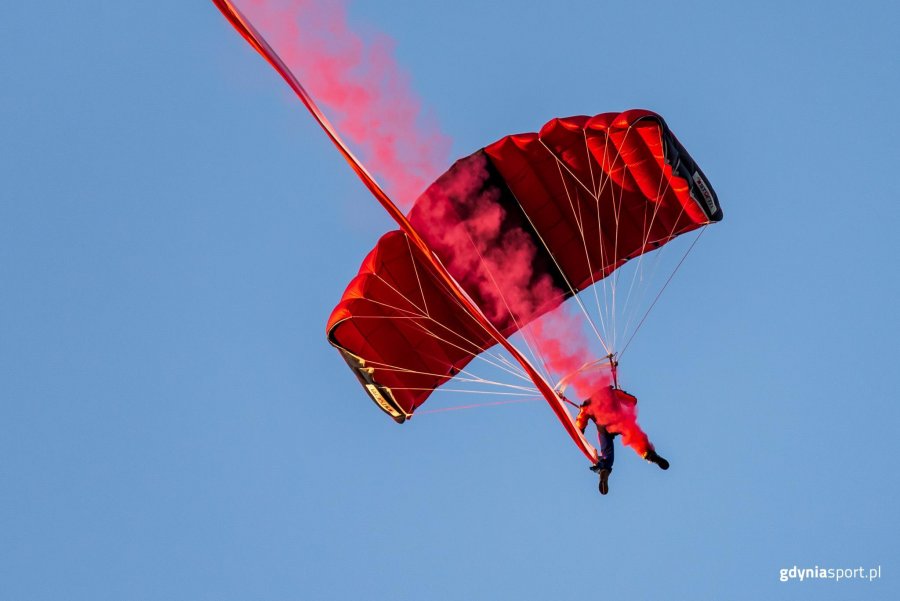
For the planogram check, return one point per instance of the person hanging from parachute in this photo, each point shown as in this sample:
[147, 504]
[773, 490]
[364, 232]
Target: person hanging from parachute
[606, 409]
[613, 411]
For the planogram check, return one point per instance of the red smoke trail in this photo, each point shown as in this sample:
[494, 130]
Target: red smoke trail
[466, 226]
[360, 83]
[565, 349]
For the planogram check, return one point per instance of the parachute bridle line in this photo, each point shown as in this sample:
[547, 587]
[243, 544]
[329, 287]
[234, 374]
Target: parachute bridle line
[614, 368]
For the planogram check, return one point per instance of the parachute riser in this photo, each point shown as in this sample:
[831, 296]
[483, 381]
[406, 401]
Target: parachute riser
[614, 369]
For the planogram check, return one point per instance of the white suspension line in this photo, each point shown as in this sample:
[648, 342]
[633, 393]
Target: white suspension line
[606, 282]
[409, 314]
[518, 371]
[502, 297]
[476, 355]
[467, 391]
[660, 193]
[472, 379]
[530, 399]
[400, 294]
[479, 353]
[690, 248]
[562, 273]
[672, 235]
[412, 260]
[579, 221]
[595, 188]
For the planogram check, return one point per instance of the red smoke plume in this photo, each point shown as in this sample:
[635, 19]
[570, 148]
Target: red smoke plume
[361, 86]
[565, 348]
[465, 225]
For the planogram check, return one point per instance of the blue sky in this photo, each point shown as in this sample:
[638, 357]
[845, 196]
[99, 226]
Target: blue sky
[174, 231]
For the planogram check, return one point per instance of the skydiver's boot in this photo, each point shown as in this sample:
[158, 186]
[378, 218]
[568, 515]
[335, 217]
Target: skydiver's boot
[654, 457]
[603, 472]
[604, 481]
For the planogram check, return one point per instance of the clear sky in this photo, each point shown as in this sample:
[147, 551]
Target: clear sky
[174, 231]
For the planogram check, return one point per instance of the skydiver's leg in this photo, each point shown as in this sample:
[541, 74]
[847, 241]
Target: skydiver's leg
[606, 455]
[606, 452]
[653, 457]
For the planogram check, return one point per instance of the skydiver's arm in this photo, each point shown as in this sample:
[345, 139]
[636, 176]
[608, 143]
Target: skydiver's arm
[581, 421]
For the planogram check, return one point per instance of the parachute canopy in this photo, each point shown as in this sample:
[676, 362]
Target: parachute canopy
[521, 225]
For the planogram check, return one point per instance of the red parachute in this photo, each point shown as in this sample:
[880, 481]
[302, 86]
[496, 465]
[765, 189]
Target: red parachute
[502, 238]
[588, 194]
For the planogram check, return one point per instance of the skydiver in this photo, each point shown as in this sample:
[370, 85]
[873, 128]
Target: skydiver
[592, 410]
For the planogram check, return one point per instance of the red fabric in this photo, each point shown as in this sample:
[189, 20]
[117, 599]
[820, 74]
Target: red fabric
[553, 177]
[625, 165]
[376, 320]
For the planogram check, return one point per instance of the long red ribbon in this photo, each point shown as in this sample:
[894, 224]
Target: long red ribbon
[249, 33]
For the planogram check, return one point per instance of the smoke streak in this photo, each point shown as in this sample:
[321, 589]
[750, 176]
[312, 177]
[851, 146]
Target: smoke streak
[565, 349]
[361, 85]
[492, 259]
